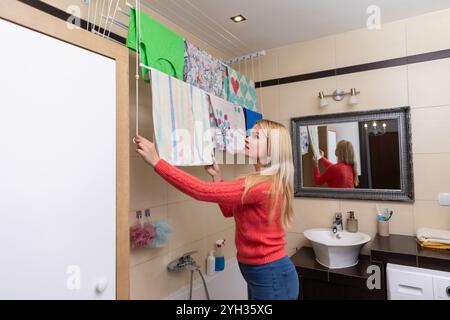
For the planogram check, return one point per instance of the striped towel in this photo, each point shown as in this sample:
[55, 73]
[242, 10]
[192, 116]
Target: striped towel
[181, 121]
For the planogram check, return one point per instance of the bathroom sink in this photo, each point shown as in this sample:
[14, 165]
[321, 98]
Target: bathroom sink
[336, 250]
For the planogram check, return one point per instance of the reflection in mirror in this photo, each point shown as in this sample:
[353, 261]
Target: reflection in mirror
[354, 154]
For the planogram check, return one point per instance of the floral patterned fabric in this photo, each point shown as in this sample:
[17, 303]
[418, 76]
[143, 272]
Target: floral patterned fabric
[304, 140]
[229, 121]
[203, 71]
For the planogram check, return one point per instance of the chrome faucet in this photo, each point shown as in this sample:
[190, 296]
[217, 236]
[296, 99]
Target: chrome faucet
[337, 223]
[186, 262]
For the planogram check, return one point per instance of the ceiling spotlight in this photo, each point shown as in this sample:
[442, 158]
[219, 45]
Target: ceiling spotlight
[238, 18]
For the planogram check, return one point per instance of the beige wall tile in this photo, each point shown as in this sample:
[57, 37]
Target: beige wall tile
[307, 57]
[148, 189]
[266, 67]
[429, 82]
[150, 280]
[301, 98]
[241, 169]
[269, 102]
[428, 32]
[431, 175]
[312, 213]
[294, 242]
[141, 255]
[382, 88]
[366, 45]
[431, 129]
[188, 222]
[429, 214]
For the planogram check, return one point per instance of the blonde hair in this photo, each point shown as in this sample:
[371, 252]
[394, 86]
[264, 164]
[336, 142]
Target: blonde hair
[279, 170]
[346, 154]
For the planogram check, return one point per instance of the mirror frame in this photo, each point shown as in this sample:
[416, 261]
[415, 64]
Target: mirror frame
[406, 191]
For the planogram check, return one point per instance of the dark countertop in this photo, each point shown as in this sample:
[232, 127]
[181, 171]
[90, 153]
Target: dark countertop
[405, 250]
[307, 266]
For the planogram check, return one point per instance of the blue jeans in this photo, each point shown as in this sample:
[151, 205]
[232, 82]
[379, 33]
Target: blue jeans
[277, 280]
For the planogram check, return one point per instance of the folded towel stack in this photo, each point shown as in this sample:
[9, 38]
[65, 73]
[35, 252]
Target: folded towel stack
[433, 238]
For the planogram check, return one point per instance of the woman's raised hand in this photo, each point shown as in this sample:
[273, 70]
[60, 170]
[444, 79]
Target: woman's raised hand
[146, 150]
[214, 171]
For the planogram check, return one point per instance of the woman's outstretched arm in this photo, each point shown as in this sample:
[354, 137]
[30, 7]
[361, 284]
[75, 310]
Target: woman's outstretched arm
[225, 193]
[326, 162]
[321, 179]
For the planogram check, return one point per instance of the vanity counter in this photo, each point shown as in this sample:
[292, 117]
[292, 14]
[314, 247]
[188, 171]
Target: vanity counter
[404, 250]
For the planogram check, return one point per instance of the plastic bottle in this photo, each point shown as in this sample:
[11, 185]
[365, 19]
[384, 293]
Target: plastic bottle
[211, 264]
[220, 259]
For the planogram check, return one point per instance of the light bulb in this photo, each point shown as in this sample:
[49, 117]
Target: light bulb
[323, 101]
[353, 99]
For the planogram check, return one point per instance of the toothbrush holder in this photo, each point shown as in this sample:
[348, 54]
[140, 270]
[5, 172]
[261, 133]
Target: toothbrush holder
[383, 228]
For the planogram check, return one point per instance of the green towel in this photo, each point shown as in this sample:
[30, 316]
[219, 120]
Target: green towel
[160, 47]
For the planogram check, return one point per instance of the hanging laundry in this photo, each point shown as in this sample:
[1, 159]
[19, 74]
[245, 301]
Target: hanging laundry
[180, 118]
[313, 132]
[160, 47]
[304, 140]
[250, 118]
[229, 121]
[240, 90]
[203, 71]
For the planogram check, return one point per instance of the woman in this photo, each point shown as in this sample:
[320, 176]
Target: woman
[341, 175]
[260, 203]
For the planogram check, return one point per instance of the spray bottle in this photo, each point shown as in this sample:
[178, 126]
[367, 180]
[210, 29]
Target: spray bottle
[220, 259]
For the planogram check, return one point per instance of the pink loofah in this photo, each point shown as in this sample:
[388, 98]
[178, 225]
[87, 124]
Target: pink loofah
[141, 235]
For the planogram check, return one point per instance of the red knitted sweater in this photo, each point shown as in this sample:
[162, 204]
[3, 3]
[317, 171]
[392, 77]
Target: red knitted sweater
[258, 240]
[338, 175]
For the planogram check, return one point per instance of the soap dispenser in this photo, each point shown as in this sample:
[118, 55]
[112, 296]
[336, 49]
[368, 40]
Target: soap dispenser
[352, 223]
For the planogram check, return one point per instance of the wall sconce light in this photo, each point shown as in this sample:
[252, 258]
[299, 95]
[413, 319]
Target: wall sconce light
[323, 100]
[338, 95]
[353, 99]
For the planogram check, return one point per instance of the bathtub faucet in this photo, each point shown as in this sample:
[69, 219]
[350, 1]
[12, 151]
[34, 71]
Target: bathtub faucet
[187, 262]
[184, 262]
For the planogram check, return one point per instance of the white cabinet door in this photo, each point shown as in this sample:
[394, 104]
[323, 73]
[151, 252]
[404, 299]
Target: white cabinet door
[57, 169]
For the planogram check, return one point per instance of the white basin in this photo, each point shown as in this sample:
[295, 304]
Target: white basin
[340, 250]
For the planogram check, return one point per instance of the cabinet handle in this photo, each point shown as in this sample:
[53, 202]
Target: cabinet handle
[448, 290]
[101, 285]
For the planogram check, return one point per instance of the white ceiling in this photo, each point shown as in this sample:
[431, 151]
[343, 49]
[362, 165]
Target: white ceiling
[275, 23]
